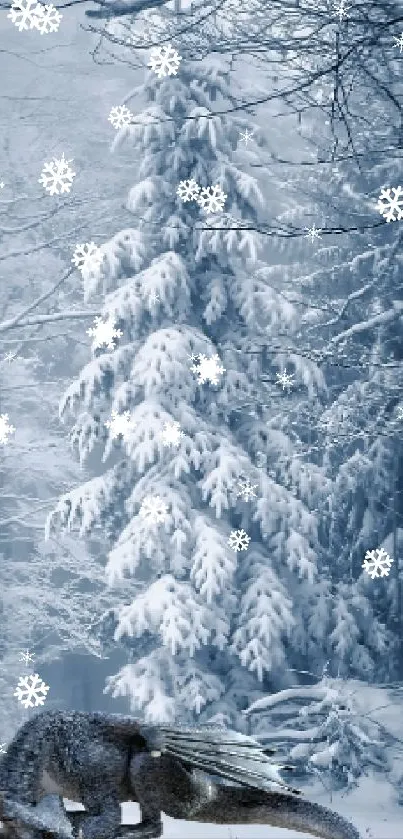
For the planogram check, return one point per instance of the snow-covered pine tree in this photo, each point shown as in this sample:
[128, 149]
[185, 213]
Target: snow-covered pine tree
[177, 284]
[350, 304]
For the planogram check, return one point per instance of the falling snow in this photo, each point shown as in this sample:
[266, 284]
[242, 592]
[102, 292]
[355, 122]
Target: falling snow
[208, 369]
[120, 425]
[377, 563]
[31, 691]
[104, 333]
[5, 428]
[238, 540]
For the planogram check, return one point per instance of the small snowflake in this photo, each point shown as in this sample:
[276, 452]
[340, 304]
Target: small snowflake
[208, 369]
[400, 413]
[212, 199]
[313, 232]
[120, 116]
[48, 19]
[377, 563]
[31, 691]
[10, 356]
[24, 14]
[104, 333]
[341, 9]
[164, 61]
[246, 489]
[392, 208]
[399, 42]
[5, 428]
[57, 176]
[3, 749]
[238, 540]
[171, 434]
[246, 136]
[2, 184]
[87, 257]
[120, 425]
[153, 509]
[285, 379]
[188, 190]
[26, 657]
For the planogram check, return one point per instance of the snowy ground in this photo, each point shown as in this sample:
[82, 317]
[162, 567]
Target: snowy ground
[372, 808]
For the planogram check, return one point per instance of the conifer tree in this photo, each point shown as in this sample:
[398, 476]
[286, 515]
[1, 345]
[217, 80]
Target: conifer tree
[209, 624]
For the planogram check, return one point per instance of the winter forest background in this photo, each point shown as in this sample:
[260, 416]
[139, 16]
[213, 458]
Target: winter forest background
[166, 620]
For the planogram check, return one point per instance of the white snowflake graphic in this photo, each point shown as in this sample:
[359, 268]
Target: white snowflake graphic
[120, 116]
[153, 509]
[31, 691]
[47, 19]
[104, 333]
[341, 8]
[87, 257]
[377, 563]
[188, 190]
[285, 379]
[164, 61]
[245, 136]
[391, 206]
[212, 199]
[26, 657]
[5, 428]
[3, 749]
[171, 434]
[313, 233]
[57, 176]
[2, 184]
[399, 42]
[120, 424]
[246, 489]
[400, 412]
[24, 14]
[208, 369]
[238, 540]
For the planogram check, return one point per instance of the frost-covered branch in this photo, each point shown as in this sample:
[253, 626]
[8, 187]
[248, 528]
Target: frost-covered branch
[313, 692]
[378, 320]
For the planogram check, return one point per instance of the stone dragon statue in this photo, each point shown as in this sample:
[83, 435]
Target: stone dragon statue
[101, 760]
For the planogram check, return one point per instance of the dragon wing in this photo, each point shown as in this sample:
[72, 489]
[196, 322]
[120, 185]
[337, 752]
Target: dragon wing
[228, 754]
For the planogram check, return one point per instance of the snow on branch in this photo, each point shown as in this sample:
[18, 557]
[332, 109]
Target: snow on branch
[82, 506]
[378, 320]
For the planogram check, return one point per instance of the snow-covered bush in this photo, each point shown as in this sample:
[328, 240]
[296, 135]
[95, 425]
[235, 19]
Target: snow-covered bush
[322, 729]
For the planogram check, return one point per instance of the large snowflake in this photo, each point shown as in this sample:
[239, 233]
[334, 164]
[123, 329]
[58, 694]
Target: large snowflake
[171, 434]
[377, 563]
[24, 14]
[87, 257]
[391, 206]
[120, 424]
[238, 540]
[31, 691]
[104, 333]
[188, 190]
[208, 369]
[5, 428]
[153, 509]
[57, 176]
[164, 61]
[48, 19]
[120, 116]
[212, 199]
[285, 379]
